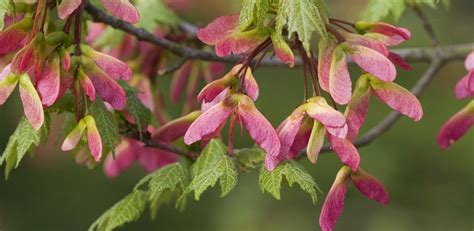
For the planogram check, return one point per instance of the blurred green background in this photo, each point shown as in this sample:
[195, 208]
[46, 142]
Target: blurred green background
[430, 189]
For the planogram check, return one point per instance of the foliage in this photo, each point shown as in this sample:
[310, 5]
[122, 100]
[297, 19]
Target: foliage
[303, 17]
[141, 114]
[212, 165]
[292, 173]
[126, 210]
[379, 9]
[22, 140]
[106, 124]
[153, 12]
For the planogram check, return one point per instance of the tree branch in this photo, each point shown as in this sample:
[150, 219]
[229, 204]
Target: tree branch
[409, 54]
[437, 56]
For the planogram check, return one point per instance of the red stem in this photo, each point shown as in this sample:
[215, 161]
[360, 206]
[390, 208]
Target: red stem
[45, 13]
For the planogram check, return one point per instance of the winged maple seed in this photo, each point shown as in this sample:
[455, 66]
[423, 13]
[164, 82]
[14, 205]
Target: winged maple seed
[460, 123]
[333, 206]
[88, 125]
[122, 9]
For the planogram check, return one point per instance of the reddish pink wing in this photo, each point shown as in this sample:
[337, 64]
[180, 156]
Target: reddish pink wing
[175, 129]
[31, 102]
[94, 140]
[334, 203]
[218, 29]
[346, 152]
[373, 62]
[370, 187]
[398, 98]
[457, 126]
[124, 158]
[399, 61]
[258, 126]
[110, 65]
[180, 79]
[122, 9]
[67, 7]
[109, 90]
[340, 84]
[50, 81]
[208, 123]
[356, 111]
[288, 129]
[326, 50]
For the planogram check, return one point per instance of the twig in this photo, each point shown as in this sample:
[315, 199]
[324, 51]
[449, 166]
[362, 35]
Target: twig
[174, 67]
[426, 25]
[410, 54]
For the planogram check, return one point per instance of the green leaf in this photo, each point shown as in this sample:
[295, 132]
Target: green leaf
[253, 12]
[135, 107]
[111, 37]
[67, 103]
[249, 158]
[126, 210]
[293, 173]
[154, 12]
[19, 144]
[303, 17]
[106, 125]
[212, 165]
[6, 6]
[163, 183]
[380, 9]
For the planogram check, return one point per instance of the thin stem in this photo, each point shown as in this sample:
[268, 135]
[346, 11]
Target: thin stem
[426, 25]
[336, 34]
[45, 13]
[67, 25]
[36, 19]
[230, 142]
[78, 29]
[335, 20]
[314, 64]
[305, 81]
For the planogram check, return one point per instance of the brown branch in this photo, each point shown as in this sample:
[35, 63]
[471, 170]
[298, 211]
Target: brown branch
[409, 54]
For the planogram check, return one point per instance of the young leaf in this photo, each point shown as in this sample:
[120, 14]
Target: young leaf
[249, 158]
[212, 165]
[163, 183]
[153, 12]
[379, 9]
[19, 144]
[106, 124]
[293, 173]
[135, 107]
[253, 12]
[303, 17]
[126, 210]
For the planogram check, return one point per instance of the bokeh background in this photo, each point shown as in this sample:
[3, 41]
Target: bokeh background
[430, 189]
